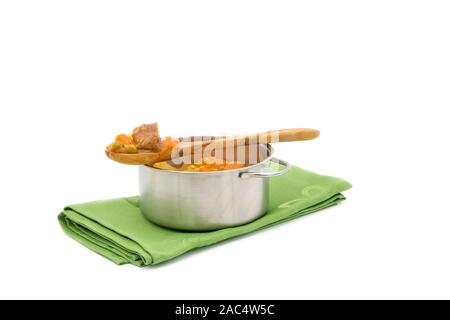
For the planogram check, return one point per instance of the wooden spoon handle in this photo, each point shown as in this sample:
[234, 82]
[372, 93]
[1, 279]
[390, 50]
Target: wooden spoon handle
[284, 135]
[287, 135]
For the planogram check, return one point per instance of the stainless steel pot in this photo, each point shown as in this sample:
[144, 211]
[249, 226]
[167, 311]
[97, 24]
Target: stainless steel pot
[201, 201]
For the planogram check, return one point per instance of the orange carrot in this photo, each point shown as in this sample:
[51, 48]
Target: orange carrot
[170, 142]
[125, 139]
[231, 166]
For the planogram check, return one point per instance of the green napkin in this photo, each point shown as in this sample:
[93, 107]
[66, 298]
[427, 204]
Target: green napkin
[116, 229]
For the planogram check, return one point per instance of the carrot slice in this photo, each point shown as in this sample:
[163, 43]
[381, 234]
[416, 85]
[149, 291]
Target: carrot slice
[125, 139]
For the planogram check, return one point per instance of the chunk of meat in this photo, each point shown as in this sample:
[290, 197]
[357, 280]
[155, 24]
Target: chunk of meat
[147, 137]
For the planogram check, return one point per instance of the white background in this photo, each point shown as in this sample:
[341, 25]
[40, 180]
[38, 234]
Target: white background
[374, 76]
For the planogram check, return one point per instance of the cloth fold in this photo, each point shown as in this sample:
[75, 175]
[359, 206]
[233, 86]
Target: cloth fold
[117, 230]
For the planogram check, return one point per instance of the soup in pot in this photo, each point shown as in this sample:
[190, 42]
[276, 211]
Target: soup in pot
[205, 165]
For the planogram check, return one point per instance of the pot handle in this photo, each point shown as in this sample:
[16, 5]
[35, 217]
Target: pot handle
[287, 166]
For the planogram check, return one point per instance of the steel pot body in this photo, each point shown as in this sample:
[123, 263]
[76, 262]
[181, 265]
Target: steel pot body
[201, 201]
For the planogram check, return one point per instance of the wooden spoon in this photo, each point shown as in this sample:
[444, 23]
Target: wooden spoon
[149, 158]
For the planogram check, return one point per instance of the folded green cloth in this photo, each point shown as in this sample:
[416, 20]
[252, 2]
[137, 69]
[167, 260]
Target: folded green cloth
[117, 230]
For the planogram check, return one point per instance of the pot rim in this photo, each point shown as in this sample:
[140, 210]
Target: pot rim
[269, 157]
